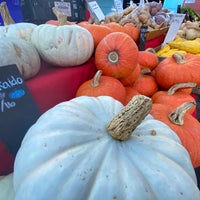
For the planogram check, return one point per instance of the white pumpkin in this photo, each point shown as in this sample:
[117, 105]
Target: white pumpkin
[67, 45]
[69, 153]
[22, 53]
[6, 187]
[22, 30]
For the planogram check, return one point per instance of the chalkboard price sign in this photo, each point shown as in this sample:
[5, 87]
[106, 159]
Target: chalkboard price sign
[18, 110]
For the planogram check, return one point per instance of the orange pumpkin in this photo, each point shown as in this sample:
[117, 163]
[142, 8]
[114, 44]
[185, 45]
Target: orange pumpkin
[98, 31]
[132, 77]
[145, 83]
[174, 97]
[102, 85]
[130, 93]
[178, 69]
[147, 59]
[116, 55]
[183, 124]
[133, 31]
[116, 27]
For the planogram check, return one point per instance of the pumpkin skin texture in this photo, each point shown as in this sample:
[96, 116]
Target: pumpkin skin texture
[116, 55]
[22, 53]
[147, 59]
[133, 31]
[132, 77]
[79, 155]
[6, 187]
[98, 32]
[178, 69]
[67, 45]
[188, 132]
[102, 86]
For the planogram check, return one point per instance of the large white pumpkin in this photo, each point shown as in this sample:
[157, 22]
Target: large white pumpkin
[65, 46]
[69, 155]
[22, 53]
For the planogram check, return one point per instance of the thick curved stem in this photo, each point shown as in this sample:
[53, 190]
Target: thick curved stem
[175, 87]
[96, 79]
[62, 17]
[125, 122]
[179, 58]
[177, 116]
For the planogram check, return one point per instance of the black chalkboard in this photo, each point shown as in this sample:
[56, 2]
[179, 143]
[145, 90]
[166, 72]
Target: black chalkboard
[18, 110]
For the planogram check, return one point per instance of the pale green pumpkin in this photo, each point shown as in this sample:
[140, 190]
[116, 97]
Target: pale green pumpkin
[6, 187]
[69, 154]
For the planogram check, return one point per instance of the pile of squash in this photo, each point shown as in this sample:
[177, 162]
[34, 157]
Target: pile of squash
[124, 130]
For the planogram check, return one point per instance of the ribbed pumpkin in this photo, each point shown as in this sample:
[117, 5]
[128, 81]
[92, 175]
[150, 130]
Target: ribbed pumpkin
[183, 124]
[94, 148]
[178, 69]
[116, 55]
[174, 97]
[102, 86]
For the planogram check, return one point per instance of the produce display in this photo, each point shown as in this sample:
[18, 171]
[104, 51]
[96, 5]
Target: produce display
[126, 127]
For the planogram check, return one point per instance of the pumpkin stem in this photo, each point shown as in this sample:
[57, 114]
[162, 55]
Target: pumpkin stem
[177, 116]
[179, 58]
[6, 17]
[62, 17]
[96, 79]
[145, 71]
[113, 57]
[130, 116]
[175, 87]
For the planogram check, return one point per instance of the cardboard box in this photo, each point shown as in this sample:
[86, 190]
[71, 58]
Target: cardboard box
[40, 11]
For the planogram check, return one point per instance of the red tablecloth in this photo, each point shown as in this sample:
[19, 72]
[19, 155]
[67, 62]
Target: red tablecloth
[56, 84]
[51, 86]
